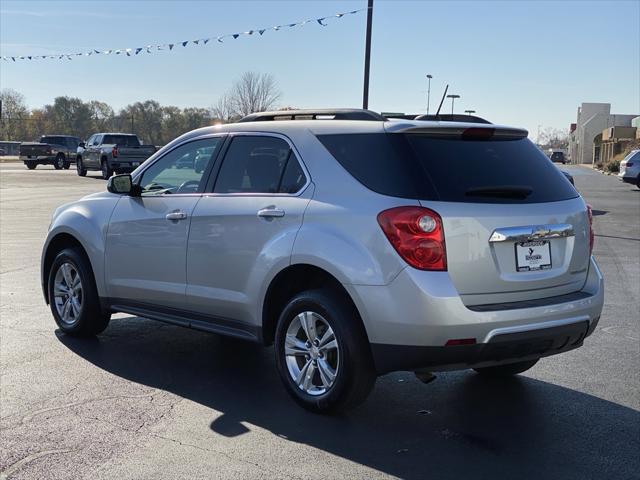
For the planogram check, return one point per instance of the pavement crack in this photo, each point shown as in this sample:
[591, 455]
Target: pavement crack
[14, 467]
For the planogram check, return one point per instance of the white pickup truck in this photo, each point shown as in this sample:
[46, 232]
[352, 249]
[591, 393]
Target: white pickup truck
[111, 152]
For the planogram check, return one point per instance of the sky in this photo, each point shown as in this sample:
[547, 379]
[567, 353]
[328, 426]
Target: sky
[521, 63]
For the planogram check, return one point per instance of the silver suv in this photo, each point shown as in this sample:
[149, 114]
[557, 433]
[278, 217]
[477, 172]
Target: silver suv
[355, 244]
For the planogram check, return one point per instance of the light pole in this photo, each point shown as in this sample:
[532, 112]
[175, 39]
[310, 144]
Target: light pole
[429, 77]
[453, 99]
[367, 56]
[469, 112]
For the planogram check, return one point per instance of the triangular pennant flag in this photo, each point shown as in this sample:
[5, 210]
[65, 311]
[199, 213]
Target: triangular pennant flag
[13, 58]
[117, 52]
[138, 50]
[197, 42]
[320, 20]
[184, 44]
[171, 46]
[250, 32]
[340, 15]
[29, 58]
[261, 31]
[235, 35]
[206, 40]
[97, 51]
[220, 39]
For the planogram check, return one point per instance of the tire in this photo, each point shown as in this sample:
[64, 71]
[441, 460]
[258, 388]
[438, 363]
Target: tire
[105, 169]
[31, 165]
[638, 181]
[80, 169]
[350, 360]
[506, 370]
[76, 310]
[59, 162]
[67, 164]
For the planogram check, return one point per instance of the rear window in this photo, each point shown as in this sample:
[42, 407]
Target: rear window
[53, 140]
[121, 140]
[450, 169]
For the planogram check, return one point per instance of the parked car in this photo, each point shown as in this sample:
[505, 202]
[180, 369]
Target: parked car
[56, 150]
[558, 157]
[356, 247]
[630, 168]
[111, 152]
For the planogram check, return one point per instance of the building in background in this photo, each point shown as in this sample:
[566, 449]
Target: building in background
[592, 119]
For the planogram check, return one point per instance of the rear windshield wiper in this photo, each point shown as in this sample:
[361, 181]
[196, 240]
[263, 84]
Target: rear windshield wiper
[502, 191]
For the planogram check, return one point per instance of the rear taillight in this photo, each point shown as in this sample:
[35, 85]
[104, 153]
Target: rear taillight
[114, 152]
[417, 235]
[591, 234]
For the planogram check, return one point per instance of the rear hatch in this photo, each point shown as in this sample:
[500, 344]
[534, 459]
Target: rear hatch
[515, 228]
[34, 149]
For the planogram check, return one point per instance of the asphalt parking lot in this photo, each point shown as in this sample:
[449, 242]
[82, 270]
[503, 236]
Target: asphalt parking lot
[148, 400]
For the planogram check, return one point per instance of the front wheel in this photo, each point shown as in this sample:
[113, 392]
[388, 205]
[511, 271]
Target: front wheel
[322, 352]
[506, 370]
[31, 165]
[73, 296]
[106, 170]
[80, 168]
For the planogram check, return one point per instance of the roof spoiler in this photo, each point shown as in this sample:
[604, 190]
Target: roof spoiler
[467, 132]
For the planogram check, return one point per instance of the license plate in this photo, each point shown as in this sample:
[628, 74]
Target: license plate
[531, 256]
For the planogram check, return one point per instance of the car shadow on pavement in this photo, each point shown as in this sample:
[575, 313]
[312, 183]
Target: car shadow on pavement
[459, 425]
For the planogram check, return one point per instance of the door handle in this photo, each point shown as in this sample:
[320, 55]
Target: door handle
[270, 212]
[175, 216]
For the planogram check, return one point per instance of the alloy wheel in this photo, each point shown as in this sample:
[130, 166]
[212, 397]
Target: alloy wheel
[67, 293]
[312, 353]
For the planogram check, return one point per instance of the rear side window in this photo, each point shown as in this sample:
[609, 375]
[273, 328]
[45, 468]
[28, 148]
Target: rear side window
[450, 169]
[259, 164]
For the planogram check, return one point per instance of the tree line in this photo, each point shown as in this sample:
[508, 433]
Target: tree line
[153, 123]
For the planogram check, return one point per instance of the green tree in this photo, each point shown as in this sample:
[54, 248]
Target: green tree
[15, 116]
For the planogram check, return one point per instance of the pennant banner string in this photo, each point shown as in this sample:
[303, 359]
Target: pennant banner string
[170, 46]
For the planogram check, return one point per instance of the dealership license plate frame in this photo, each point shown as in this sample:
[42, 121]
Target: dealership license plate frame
[541, 256]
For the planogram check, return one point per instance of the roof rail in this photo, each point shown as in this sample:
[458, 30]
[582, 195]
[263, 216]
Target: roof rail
[315, 114]
[456, 117]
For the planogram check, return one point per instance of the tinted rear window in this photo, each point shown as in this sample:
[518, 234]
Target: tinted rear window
[121, 140]
[443, 169]
[53, 140]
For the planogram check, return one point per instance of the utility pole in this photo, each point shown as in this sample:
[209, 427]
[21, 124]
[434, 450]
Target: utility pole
[429, 77]
[132, 123]
[367, 56]
[453, 99]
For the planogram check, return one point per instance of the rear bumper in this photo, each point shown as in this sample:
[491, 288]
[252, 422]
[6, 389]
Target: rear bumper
[500, 349]
[125, 165]
[409, 321]
[37, 159]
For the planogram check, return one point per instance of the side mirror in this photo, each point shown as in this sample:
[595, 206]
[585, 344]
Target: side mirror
[82, 144]
[123, 185]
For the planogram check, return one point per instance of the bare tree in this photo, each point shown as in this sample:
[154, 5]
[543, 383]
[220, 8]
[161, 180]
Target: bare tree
[223, 109]
[253, 92]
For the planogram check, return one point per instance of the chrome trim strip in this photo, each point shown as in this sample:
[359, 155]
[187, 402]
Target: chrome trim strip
[535, 326]
[531, 233]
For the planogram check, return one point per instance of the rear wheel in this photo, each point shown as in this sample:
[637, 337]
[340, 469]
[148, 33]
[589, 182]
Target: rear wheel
[322, 352]
[73, 296]
[80, 168]
[106, 169]
[59, 162]
[31, 165]
[506, 370]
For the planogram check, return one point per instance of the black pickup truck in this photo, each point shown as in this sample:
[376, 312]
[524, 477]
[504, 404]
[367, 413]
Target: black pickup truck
[57, 150]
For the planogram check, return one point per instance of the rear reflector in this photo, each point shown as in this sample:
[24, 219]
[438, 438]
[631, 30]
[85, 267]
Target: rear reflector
[460, 341]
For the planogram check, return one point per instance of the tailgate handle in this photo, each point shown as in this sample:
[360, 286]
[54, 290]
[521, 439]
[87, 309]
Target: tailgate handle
[531, 233]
